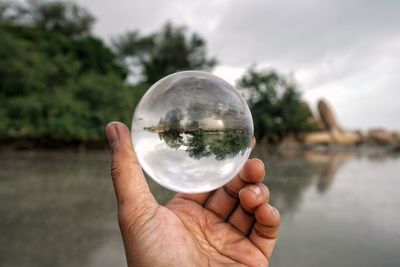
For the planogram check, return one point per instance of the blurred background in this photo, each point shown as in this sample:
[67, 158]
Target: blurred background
[320, 77]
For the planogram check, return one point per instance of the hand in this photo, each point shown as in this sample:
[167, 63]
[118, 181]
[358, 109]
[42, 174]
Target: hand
[231, 226]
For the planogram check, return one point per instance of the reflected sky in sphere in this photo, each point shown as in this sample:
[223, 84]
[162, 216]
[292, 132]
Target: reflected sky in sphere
[192, 132]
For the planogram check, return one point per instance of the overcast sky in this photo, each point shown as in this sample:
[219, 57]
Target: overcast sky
[345, 51]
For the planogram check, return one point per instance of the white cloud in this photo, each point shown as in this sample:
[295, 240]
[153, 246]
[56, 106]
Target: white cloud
[230, 74]
[345, 51]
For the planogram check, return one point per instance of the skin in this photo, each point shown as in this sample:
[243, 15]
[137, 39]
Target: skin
[231, 226]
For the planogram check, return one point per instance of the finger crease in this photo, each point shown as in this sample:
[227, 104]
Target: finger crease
[247, 212]
[230, 192]
[260, 233]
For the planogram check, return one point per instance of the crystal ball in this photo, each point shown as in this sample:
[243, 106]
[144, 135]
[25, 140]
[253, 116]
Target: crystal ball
[192, 132]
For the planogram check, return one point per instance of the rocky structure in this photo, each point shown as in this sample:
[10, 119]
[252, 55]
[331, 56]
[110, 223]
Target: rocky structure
[333, 133]
[327, 118]
[382, 136]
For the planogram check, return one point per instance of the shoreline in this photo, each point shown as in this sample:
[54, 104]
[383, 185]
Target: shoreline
[101, 145]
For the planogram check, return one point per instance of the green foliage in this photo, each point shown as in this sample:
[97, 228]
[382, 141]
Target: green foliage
[230, 144]
[196, 145]
[53, 87]
[275, 104]
[162, 53]
[173, 138]
[200, 144]
[58, 82]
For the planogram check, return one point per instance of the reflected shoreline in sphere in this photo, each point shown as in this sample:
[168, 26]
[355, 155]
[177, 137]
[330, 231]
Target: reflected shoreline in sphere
[220, 144]
[192, 132]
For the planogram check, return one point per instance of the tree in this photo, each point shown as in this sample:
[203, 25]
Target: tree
[53, 87]
[4, 6]
[276, 105]
[156, 55]
[61, 16]
[201, 144]
[60, 83]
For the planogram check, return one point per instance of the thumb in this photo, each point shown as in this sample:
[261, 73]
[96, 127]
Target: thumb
[134, 198]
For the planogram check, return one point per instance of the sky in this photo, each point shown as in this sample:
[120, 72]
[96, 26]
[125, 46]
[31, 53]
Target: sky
[347, 52]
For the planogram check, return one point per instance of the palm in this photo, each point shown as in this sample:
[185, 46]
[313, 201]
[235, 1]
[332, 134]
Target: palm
[232, 225]
[218, 242]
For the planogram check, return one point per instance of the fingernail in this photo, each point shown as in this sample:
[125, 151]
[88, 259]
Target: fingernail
[271, 208]
[256, 190]
[112, 134]
[260, 162]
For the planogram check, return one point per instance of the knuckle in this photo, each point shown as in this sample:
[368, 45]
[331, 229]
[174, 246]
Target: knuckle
[115, 170]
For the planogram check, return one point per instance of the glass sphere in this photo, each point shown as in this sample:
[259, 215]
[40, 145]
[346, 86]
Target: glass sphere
[192, 132]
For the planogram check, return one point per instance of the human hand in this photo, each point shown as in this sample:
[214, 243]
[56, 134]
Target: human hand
[232, 225]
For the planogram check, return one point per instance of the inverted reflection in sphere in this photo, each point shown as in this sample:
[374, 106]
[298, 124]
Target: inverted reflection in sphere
[192, 132]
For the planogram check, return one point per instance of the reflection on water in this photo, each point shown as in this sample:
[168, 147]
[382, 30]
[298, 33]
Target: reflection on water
[58, 209]
[202, 144]
[204, 130]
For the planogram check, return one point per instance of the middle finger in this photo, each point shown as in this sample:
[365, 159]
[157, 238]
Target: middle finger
[225, 199]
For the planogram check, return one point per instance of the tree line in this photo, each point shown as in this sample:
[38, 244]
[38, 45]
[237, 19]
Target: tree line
[61, 84]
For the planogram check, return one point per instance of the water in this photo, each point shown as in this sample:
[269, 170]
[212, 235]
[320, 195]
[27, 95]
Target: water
[192, 132]
[58, 209]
